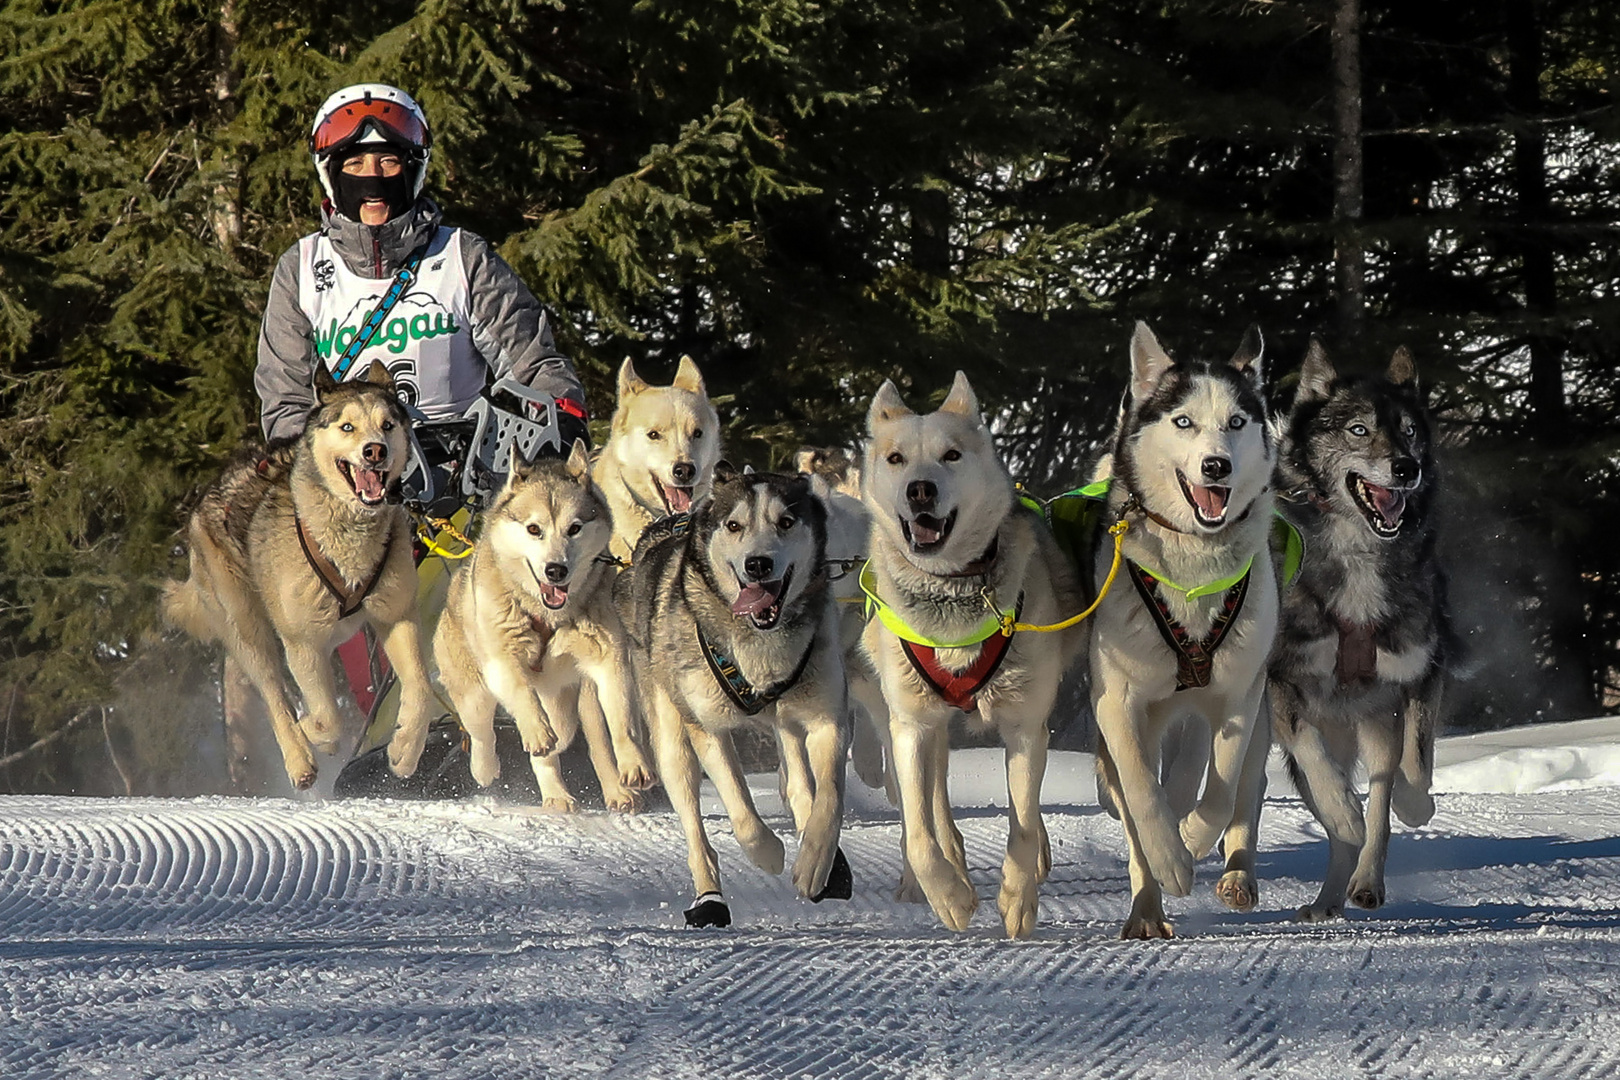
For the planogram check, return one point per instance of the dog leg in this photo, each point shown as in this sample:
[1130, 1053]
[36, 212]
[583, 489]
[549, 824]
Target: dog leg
[917, 768]
[821, 747]
[402, 644]
[1022, 870]
[561, 708]
[1238, 888]
[1318, 777]
[599, 742]
[311, 667]
[1186, 760]
[510, 685]
[719, 756]
[472, 701]
[612, 687]
[1229, 749]
[678, 766]
[1412, 801]
[255, 658]
[871, 737]
[798, 790]
[1381, 750]
[1146, 921]
[1134, 753]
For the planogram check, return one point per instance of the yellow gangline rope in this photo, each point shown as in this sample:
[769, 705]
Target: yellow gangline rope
[444, 526]
[1008, 627]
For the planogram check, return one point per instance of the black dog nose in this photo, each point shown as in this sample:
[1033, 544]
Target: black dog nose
[759, 567]
[375, 453]
[684, 473]
[555, 572]
[1217, 468]
[1405, 470]
[921, 494]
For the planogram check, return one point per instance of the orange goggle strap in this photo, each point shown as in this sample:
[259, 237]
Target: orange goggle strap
[346, 122]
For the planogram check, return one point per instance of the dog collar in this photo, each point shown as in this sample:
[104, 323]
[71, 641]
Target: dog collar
[743, 694]
[901, 629]
[349, 600]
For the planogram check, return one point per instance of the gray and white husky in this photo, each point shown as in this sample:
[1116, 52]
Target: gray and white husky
[1179, 645]
[733, 623]
[1358, 672]
[951, 553]
[530, 625]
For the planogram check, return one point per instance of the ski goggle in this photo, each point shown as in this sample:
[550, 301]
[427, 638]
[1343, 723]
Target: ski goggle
[347, 122]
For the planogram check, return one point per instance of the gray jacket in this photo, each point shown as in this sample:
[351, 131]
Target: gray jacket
[510, 330]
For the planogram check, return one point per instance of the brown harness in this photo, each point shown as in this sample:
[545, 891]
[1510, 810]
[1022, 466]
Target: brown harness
[1195, 659]
[1357, 661]
[349, 600]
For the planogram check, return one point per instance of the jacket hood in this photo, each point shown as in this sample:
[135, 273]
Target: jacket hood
[378, 251]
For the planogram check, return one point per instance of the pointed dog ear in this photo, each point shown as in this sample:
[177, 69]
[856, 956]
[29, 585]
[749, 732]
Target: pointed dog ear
[630, 384]
[521, 468]
[1249, 353]
[324, 383]
[886, 405]
[379, 375]
[961, 400]
[579, 462]
[725, 472]
[1149, 362]
[1402, 369]
[1316, 377]
[689, 378]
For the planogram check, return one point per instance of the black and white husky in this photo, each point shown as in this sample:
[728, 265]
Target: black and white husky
[1179, 646]
[1358, 671]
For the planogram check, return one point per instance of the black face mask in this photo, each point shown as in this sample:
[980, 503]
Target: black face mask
[351, 191]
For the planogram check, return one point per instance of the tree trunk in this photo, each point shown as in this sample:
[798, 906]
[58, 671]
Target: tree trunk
[1348, 271]
[226, 213]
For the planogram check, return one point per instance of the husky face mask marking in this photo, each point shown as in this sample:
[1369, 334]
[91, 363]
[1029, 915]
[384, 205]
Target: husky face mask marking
[545, 531]
[939, 484]
[358, 433]
[1202, 426]
[1366, 447]
[667, 438]
[765, 543]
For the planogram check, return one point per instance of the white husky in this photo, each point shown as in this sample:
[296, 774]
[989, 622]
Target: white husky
[530, 624]
[947, 533]
[1180, 644]
[661, 453]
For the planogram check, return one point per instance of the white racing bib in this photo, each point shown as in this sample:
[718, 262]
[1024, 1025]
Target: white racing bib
[426, 340]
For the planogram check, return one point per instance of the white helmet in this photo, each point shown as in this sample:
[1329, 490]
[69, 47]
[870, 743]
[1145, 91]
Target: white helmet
[370, 113]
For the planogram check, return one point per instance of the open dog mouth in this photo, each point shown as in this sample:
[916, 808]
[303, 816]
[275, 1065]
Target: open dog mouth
[1208, 503]
[1381, 506]
[552, 596]
[677, 500]
[926, 533]
[370, 485]
[761, 601]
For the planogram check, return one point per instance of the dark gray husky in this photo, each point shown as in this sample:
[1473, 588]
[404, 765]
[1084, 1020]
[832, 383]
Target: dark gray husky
[1359, 665]
[733, 622]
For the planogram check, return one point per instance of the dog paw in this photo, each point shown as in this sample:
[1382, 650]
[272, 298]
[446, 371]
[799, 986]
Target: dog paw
[1367, 894]
[560, 804]
[954, 901]
[908, 891]
[764, 849]
[1138, 928]
[405, 752]
[539, 743]
[1319, 912]
[868, 761]
[322, 736]
[300, 768]
[1173, 869]
[484, 763]
[1238, 890]
[622, 801]
[708, 910]
[1413, 807]
[813, 867]
[1018, 909]
[637, 776]
[1198, 836]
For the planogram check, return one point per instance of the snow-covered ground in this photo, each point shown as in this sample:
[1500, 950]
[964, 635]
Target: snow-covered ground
[267, 938]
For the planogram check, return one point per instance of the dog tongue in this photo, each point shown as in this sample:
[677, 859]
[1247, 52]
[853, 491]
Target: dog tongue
[369, 483]
[926, 529]
[680, 499]
[1389, 504]
[755, 598]
[1211, 500]
[553, 596]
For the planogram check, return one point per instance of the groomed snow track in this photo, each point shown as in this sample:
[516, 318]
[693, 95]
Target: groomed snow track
[154, 938]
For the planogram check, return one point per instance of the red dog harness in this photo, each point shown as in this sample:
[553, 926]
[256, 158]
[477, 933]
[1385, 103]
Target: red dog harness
[960, 690]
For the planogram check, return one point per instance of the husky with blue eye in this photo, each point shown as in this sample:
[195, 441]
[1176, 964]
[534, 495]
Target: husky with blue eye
[1179, 646]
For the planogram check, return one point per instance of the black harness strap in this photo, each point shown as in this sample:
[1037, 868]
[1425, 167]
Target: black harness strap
[1194, 659]
[742, 693]
[349, 600]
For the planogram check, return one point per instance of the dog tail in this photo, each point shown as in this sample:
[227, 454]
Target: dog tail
[182, 606]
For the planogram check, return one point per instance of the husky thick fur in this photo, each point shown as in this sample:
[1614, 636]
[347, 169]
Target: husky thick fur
[530, 625]
[1358, 670]
[254, 589]
[660, 454]
[730, 609]
[835, 477]
[946, 533]
[1192, 463]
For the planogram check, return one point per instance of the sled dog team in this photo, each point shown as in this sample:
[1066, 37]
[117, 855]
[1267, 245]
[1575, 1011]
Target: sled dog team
[873, 602]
